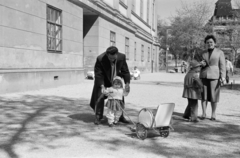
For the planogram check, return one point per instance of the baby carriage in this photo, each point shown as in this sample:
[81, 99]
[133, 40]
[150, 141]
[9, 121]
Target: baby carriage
[157, 119]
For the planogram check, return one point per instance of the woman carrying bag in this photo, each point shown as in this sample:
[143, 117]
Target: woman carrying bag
[212, 75]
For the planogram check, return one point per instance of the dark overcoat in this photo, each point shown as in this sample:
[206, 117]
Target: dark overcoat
[102, 70]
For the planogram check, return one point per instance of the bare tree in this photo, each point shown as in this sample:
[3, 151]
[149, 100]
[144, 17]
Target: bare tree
[236, 3]
[200, 11]
[189, 27]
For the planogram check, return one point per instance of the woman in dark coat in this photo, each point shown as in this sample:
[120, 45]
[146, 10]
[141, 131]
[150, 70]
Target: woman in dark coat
[212, 74]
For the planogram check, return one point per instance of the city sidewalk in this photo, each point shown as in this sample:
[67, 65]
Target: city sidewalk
[58, 123]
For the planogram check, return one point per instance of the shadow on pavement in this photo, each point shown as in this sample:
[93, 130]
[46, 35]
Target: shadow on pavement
[42, 119]
[87, 118]
[162, 83]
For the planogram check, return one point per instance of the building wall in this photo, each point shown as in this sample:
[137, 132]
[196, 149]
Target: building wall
[97, 40]
[91, 40]
[24, 60]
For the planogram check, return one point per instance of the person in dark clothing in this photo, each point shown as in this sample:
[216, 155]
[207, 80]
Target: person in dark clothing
[108, 65]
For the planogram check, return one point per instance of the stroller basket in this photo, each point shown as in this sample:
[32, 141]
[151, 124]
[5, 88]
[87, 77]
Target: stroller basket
[155, 118]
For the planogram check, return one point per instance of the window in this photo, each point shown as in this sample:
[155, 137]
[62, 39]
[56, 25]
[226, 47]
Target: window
[112, 38]
[153, 15]
[153, 56]
[141, 9]
[149, 54]
[127, 48]
[133, 5]
[54, 29]
[148, 11]
[142, 53]
[135, 51]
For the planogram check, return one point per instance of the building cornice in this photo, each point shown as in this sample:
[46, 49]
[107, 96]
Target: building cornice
[123, 4]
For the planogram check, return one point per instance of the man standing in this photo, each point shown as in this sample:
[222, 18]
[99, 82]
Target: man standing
[108, 65]
[184, 67]
[229, 68]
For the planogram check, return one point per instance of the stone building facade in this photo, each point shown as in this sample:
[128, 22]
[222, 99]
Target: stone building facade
[48, 43]
[225, 19]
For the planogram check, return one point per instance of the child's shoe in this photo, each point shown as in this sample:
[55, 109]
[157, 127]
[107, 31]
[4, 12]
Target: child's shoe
[115, 123]
[110, 125]
[194, 121]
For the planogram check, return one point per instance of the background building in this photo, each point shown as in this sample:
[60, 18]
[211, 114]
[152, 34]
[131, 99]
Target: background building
[226, 26]
[47, 43]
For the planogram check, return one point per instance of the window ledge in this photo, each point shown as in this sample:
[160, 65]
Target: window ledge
[139, 18]
[123, 4]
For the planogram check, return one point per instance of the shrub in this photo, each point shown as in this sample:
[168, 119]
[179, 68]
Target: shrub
[236, 71]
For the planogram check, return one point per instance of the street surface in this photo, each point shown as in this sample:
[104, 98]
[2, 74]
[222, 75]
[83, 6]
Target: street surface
[58, 123]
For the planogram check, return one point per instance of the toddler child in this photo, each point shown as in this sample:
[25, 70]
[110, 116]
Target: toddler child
[115, 102]
[192, 91]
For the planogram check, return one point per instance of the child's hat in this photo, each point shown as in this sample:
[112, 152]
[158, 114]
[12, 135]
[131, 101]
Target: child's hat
[194, 64]
[118, 78]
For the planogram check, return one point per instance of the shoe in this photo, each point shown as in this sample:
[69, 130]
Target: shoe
[195, 121]
[123, 120]
[110, 125]
[97, 121]
[213, 119]
[185, 117]
[115, 123]
[100, 117]
[203, 118]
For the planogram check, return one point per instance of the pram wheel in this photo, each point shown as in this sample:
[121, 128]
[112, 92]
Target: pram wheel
[141, 131]
[164, 132]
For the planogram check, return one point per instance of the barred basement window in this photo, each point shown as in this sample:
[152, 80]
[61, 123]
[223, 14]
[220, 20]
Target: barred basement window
[54, 29]
[127, 48]
[112, 38]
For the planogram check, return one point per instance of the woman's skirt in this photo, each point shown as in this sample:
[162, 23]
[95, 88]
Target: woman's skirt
[115, 104]
[211, 90]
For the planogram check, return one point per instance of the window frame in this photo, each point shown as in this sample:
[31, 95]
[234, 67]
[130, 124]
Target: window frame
[149, 54]
[142, 52]
[153, 55]
[127, 48]
[134, 5]
[153, 18]
[53, 24]
[141, 9]
[148, 10]
[112, 42]
[135, 51]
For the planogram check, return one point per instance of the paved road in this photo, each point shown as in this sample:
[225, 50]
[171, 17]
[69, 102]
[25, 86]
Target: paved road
[58, 123]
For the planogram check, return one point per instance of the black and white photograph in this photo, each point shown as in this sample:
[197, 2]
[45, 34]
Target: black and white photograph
[119, 78]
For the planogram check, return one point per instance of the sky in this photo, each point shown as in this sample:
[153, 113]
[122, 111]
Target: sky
[167, 8]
